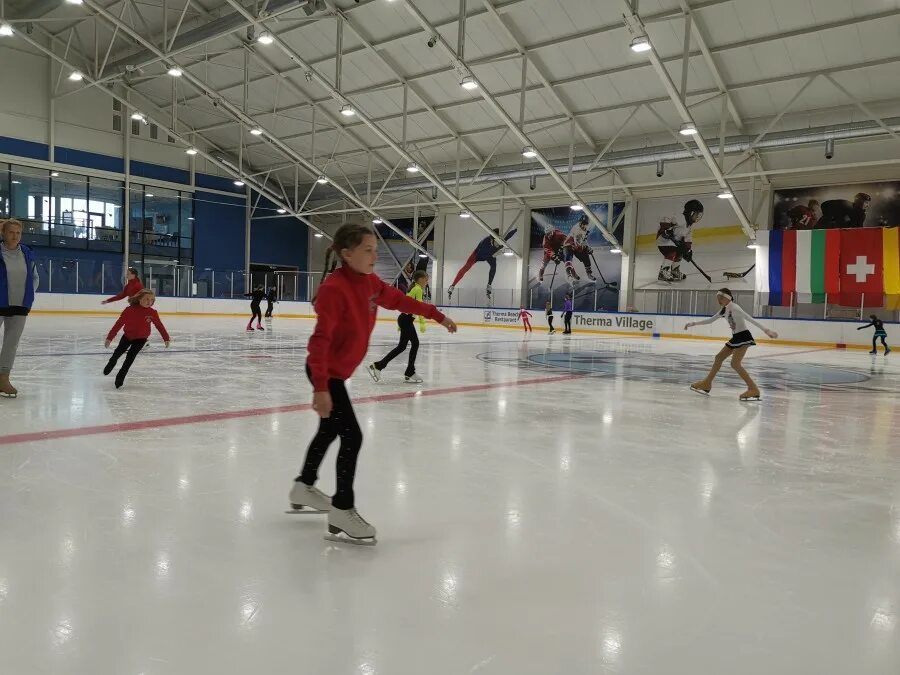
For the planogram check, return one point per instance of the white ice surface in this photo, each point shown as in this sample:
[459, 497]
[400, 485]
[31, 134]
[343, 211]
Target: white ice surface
[614, 523]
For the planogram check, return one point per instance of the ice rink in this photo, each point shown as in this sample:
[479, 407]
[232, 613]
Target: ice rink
[544, 505]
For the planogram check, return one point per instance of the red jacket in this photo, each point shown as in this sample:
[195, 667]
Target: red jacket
[346, 307]
[137, 320]
[131, 289]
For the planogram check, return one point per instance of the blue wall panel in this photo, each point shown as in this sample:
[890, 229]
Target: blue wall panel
[20, 148]
[224, 183]
[278, 241]
[218, 231]
[159, 172]
[90, 160]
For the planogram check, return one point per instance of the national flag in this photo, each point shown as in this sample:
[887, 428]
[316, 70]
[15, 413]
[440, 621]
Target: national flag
[862, 268]
[890, 240]
[818, 265]
[762, 266]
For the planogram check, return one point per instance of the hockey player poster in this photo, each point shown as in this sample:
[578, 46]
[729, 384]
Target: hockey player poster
[569, 255]
[397, 260]
[678, 235]
[837, 206]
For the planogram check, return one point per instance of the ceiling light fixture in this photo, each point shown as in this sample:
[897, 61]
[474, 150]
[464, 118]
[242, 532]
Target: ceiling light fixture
[752, 245]
[347, 110]
[256, 131]
[137, 117]
[529, 152]
[74, 2]
[508, 253]
[54, 174]
[576, 206]
[725, 194]
[322, 180]
[423, 255]
[687, 129]
[239, 183]
[282, 211]
[175, 71]
[318, 235]
[413, 167]
[640, 44]
[377, 221]
[5, 29]
[76, 76]
[148, 194]
[191, 151]
[265, 38]
[468, 83]
[617, 251]
[465, 214]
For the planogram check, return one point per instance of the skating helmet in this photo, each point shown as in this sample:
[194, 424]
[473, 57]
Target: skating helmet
[862, 200]
[693, 210]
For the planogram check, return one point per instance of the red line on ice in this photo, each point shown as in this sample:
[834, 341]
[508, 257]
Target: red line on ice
[258, 412]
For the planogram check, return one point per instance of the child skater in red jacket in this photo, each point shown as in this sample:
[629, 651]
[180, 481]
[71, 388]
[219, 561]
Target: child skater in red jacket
[136, 320]
[346, 306]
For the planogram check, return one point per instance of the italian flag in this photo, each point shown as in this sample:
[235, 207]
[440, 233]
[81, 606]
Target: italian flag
[852, 267]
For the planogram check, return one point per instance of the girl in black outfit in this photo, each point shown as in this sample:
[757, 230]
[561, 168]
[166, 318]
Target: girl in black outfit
[270, 299]
[256, 297]
[880, 332]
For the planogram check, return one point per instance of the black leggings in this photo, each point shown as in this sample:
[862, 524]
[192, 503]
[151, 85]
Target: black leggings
[342, 422]
[407, 335]
[550, 321]
[567, 318]
[257, 314]
[875, 342]
[130, 346]
[268, 310]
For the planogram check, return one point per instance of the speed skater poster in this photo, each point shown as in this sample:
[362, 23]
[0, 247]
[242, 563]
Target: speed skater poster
[570, 256]
[837, 206]
[681, 239]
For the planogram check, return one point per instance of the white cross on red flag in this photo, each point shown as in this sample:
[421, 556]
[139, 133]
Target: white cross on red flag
[862, 268]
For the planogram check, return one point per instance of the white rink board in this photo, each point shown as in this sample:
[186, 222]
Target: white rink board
[651, 325]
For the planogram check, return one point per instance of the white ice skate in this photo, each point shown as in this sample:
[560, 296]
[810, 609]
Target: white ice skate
[374, 372]
[590, 275]
[413, 379]
[347, 526]
[308, 499]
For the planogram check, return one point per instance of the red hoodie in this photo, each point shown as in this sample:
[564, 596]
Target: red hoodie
[346, 307]
[132, 288]
[137, 320]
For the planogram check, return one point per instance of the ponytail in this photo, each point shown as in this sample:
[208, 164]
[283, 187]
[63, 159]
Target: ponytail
[347, 236]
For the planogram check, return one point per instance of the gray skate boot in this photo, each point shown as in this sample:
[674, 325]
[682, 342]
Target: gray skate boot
[308, 499]
[347, 526]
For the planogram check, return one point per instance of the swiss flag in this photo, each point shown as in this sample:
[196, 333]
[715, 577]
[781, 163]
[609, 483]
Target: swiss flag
[862, 269]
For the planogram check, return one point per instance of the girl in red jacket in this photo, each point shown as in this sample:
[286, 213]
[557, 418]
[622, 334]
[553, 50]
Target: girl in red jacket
[136, 319]
[346, 306]
[133, 286]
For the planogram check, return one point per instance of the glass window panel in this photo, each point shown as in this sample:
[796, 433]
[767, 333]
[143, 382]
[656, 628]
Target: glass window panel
[28, 187]
[4, 190]
[69, 191]
[187, 214]
[108, 198]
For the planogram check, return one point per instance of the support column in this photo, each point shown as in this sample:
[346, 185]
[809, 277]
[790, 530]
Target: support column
[629, 236]
[247, 225]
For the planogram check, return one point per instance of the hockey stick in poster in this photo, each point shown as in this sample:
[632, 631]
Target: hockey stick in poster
[607, 285]
[685, 253]
[738, 275]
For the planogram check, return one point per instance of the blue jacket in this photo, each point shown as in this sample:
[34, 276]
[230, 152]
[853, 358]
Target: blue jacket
[29, 280]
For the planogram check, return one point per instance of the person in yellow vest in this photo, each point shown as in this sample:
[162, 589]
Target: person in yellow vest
[407, 335]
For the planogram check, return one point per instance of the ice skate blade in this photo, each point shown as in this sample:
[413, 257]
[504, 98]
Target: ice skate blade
[703, 392]
[342, 537]
[297, 510]
[374, 373]
[749, 398]
[6, 395]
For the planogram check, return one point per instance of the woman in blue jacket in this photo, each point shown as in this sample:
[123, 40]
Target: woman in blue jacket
[18, 282]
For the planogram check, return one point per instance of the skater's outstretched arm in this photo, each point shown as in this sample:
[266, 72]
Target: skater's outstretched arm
[737, 309]
[868, 325]
[117, 326]
[159, 326]
[713, 318]
[391, 298]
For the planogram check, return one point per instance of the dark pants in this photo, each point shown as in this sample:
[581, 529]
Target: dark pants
[268, 310]
[407, 336]
[257, 314]
[550, 321]
[567, 319]
[883, 337]
[342, 423]
[125, 345]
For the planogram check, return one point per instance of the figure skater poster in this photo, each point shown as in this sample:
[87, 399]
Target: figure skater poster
[569, 255]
